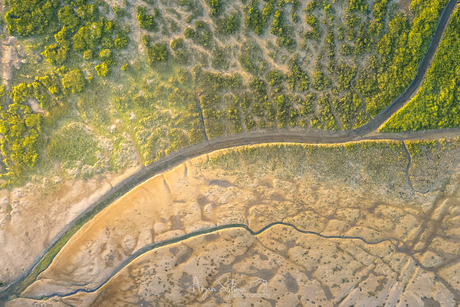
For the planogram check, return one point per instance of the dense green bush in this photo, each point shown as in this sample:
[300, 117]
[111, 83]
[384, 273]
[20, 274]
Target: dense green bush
[68, 17]
[352, 20]
[346, 50]
[341, 35]
[307, 104]
[178, 46]
[2, 94]
[350, 111]
[157, 53]
[106, 56]
[221, 114]
[146, 21]
[283, 105]
[93, 34]
[121, 40]
[363, 41]
[254, 19]
[280, 29]
[312, 5]
[259, 104]
[31, 17]
[274, 77]
[249, 57]
[257, 20]
[56, 54]
[320, 80]
[146, 40]
[357, 5]
[437, 103]
[313, 23]
[190, 33]
[325, 119]
[399, 52]
[380, 10]
[76, 26]
[228, 25]
[219, 58]
[102, 69]
[296, 76]
[216, 7]
[295, 9]
[202, 35]
[74, 81]
[345, 74]
[20, 130]
[330, 44]
[119, 12]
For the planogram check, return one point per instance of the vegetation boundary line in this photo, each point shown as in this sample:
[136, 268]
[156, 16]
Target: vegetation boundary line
[169, 162]
[180, 156]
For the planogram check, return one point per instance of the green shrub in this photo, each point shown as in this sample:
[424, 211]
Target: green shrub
[102, 69]
[297, 76]
[250, 56]
[320, 80]
[56, 54]
[274, 77]
[254, 20]
[313, 23]
[325, 119]
[220, 59]
[190, 33]
[146, 21]
[74, 80]
[228, 25]
[32, 17]
[216, 7]
[68, 17]
[146, 40]
[345, 74]
[121, 41]
[157, 53]
[280, 29]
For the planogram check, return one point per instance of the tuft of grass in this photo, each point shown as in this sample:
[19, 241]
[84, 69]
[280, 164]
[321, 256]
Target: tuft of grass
[72, 143]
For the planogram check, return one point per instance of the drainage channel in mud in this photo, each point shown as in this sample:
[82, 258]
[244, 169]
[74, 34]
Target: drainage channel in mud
[395, 242]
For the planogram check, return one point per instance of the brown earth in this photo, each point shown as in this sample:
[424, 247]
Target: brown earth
[34, 216]
[329, 190]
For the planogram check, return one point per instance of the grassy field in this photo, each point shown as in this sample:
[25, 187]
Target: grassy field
[437, 103]
[143, 75]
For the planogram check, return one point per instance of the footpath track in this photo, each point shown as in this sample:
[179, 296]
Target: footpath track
[366, 132]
